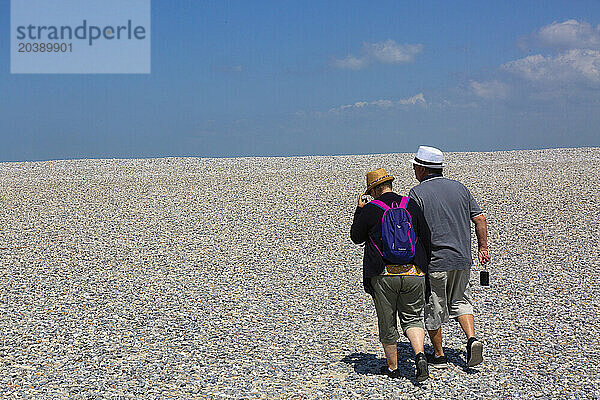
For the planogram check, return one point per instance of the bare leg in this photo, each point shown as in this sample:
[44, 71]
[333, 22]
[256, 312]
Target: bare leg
[467, 323]
[391, 355]
[436, 341]
[416, 336]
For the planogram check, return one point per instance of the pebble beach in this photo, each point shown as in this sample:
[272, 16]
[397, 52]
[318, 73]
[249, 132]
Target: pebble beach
[198, 278]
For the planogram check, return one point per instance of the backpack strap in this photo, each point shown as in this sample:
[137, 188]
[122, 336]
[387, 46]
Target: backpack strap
[404, 202]
[384, 207]
[380, 204]
[379, 251]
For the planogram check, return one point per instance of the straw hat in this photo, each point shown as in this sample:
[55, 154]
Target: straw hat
[429, 157]
[377, 177]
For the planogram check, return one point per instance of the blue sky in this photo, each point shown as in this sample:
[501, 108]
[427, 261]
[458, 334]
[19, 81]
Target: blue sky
[269, 78]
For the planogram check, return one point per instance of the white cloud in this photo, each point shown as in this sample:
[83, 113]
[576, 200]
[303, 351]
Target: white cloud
[388, 52]
[351, 62]
[572, 66]
[380, 104]
[416, 99]
[490, 90]
[570, 34]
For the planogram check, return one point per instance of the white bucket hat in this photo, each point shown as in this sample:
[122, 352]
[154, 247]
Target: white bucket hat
[429, 157]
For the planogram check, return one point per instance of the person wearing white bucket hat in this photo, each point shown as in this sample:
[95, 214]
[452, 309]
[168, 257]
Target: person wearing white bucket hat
[429, 157]
[449, 208]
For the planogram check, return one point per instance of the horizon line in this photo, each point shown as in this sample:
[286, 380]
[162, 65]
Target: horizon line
[280, 156]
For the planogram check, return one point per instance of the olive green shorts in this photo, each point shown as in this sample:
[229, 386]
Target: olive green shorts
[398, 295]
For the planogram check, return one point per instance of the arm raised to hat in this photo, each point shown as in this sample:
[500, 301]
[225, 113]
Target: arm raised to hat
[359, 231]
[481, 233]
[362, 201]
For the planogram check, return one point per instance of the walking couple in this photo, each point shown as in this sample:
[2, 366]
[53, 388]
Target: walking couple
[417, 259]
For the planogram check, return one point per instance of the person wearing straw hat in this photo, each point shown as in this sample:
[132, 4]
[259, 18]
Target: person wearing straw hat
[449, 209]
[398, 290]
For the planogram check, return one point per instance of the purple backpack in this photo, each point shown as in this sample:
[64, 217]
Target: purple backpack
[397, 232]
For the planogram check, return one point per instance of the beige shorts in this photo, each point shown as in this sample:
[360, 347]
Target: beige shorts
[450, 297]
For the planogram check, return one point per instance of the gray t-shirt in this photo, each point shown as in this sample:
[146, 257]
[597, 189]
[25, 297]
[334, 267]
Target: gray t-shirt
[448, 207]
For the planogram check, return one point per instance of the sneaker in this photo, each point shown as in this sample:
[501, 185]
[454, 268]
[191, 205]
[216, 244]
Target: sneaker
[392, 374]
[422, 372]
[438, 362]
[474, 352]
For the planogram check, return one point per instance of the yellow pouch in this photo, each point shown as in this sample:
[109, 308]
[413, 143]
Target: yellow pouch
[407, 269]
